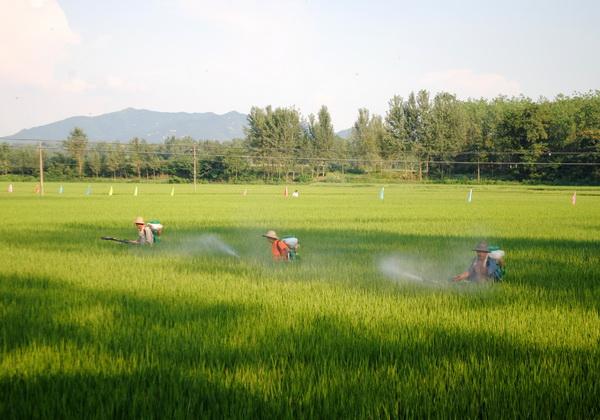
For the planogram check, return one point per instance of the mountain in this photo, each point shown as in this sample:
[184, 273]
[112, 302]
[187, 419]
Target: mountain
[150, 125]
[345, 134]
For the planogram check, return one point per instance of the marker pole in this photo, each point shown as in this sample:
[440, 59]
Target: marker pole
[41, 170]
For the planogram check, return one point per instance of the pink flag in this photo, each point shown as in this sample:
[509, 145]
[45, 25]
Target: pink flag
[285, 193]
[574, 198]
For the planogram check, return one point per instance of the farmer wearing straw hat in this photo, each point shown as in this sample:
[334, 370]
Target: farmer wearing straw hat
[482, 267]
[279, 249]
[145, 236]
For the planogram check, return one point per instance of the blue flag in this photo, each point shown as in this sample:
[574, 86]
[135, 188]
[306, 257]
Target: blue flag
[89, 190]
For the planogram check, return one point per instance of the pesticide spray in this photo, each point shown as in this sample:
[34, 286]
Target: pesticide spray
[391, 267]
[209, 244]
[407, 270]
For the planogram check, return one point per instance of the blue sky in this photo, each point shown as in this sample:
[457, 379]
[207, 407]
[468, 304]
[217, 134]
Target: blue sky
[65, 57]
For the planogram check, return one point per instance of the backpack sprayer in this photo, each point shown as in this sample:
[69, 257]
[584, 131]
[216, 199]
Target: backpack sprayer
[496, 263]
[156, 227]
[293, 245]
[496, 253]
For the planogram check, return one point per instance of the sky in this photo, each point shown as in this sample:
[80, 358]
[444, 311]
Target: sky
[62, 58]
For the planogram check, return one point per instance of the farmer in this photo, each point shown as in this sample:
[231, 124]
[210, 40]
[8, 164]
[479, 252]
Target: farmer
[145, 236]
[279, 249]
[483, 268]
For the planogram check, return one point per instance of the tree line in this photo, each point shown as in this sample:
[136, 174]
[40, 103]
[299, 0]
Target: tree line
[419, 137]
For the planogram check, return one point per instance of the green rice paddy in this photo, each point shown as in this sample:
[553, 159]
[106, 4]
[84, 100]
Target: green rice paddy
[97, 329]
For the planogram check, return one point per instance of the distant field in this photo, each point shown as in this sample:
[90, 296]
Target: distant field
[90, 328]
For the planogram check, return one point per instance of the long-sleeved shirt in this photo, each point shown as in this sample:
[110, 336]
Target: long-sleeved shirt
[145, 236]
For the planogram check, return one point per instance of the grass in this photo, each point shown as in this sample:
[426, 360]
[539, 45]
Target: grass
[90, 328]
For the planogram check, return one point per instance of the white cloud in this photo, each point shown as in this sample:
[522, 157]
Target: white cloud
[35, 36]
[465, 83]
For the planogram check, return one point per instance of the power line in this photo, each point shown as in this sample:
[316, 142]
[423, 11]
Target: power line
[128, 151]
[206, 144]
[188, 152]
[298, 160]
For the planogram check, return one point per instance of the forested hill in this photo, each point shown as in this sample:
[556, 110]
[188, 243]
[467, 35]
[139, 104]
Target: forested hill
[152, 126]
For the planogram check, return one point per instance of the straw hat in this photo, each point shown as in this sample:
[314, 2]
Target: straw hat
[482, 247]
[139, 221]
[271, 234]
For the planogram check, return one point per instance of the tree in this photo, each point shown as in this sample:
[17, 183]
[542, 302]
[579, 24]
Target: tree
[154, 162]
[236, 165]
[257, 132]
[137, 154]
[180, 157]
[76, 145]
[95, 160]
[396, 135]
[414, 146]
[275, 137]
[481, 120]
[448, 127]
[115, 160]
[516, 138]
[59, 165]
[321, 137]
[25, 158]
[522, 132]
[4, 158]
[365, 138]
[379, 135]
[424, 128]
[288, 136]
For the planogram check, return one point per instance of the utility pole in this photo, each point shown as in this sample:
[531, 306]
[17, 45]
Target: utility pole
[41, 170]
[194, 168]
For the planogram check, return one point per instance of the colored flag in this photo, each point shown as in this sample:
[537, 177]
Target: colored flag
[470, 196]
[245, 193]
[88, 191]
[285, 192]
[381, 192]
[10, 188]
[172, 191]
[574, 198]
[61, 189]
[110, 191]
[135, 192]
[37, 189]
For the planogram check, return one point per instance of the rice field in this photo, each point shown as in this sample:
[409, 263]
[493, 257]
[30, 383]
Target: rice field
[185, 329]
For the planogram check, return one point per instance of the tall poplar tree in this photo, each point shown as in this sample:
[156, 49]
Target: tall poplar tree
[75, 146]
